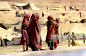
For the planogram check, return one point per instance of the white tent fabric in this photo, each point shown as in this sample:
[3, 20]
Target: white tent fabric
[20, 4]
[4, 6]
[66, 27]
[32, 6]
[6, 34]
[79, 28]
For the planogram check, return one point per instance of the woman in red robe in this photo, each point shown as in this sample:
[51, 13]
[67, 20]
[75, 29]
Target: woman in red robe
[34, 30]
[51, 34]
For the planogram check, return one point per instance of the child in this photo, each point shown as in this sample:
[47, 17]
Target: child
[84, 38]
[24, 38]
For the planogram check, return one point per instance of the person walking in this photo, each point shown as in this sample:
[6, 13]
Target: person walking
[25, 37]
[34, 30]
[73, 37]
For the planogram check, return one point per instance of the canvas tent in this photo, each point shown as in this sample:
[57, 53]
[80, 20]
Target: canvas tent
[4, 6]
[7, 36]
[26, 6]
[79, 28]
[66, 27]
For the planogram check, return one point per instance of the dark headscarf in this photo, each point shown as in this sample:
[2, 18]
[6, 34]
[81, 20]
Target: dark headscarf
[49, 23]
[50, 17]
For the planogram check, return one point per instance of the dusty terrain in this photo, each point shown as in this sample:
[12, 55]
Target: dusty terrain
[18, 48]
[9, 18]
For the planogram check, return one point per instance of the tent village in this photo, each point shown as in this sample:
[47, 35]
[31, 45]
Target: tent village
[10, 24]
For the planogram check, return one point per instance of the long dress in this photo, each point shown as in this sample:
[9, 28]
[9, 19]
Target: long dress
[57, 35]
[51, 34]
[34, 30]
[24, 35]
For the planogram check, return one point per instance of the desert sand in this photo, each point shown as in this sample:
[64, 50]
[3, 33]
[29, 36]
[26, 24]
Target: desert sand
[9, 18]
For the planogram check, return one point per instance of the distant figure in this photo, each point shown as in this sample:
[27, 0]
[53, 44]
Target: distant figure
[15, 29]
[24, 38]
[84, 38]
[47, 7]
[17, 13]
[65, 8]
[73, 37]
[70, 8]
[80, 14]
[42, 14]
[20, 7]
[24, 13]
[21, 15]
[68, 38]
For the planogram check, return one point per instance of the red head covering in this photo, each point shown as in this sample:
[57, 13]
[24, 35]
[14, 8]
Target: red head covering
[35, 17]
[50, 17]
[26, 19]
[34, 29]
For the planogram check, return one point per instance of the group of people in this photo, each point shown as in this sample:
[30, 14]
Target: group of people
[31, 30]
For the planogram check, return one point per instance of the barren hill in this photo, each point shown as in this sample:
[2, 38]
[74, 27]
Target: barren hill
[46, 0]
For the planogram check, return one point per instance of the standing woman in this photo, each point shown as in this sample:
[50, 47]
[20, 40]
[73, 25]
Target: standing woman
[51, 34]
[34, 30]
[25, 37]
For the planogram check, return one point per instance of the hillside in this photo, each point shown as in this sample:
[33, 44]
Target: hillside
[47, 0]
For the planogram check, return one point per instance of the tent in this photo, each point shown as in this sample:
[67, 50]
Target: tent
[66, 27]
[6, 37]
[79, 28]
[4, 6]
[26, 6]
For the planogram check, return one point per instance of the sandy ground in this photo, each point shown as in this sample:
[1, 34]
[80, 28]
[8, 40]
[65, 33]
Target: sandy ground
[18, 48]
[9, 18]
